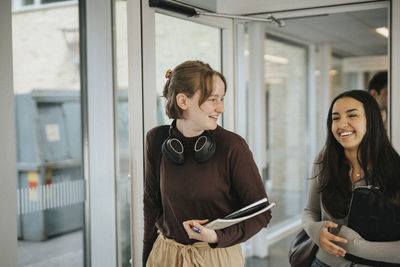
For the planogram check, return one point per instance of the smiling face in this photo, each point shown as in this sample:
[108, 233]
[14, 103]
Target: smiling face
[198, 118]
[349, 123]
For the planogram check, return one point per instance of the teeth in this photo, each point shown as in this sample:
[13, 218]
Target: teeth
[345, 133]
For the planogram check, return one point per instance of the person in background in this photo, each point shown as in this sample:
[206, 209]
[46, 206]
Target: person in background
[378, 89]
[357, 152]
[198, 185]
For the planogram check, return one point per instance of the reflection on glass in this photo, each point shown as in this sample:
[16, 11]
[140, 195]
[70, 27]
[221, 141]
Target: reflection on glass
[52, 1]
[27, 2]
[286, 81]
[337, 77]
[178, 40]
[122, 119]
[339, 66]
[50, 186]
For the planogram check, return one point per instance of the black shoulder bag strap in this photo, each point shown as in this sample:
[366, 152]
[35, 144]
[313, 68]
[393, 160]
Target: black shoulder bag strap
[159, 138]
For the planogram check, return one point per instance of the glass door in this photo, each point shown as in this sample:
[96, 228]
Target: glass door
[306, 64]
[50, 185]
[123, 178]
[286, 107]
[281, 118]
[169, 39]
[188, 41]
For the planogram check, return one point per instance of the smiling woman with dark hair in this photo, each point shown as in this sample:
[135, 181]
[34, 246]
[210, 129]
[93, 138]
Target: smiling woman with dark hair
[357, 152]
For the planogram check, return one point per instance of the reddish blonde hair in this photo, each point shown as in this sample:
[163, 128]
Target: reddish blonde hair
[187, 78]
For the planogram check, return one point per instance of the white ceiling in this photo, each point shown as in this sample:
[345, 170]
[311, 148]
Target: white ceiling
[268, 6]
[350, 34]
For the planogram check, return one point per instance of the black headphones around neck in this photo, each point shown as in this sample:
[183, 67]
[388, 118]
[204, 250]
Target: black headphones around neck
[172, 148]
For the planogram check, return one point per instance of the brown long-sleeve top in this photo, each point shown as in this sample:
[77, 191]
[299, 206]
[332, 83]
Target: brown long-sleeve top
[228, 181]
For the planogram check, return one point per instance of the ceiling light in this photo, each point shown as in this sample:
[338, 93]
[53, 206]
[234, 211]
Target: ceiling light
[276, 59]
[274, 81]
[204, 44]
[333, 72]
[383, 31]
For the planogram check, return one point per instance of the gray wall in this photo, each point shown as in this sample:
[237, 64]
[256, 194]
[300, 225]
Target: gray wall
[8, 209]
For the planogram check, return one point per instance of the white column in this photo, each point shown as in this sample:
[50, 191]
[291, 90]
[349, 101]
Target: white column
[257, 119]
[149, 66]
[256, 95]
[359, 82]
[228, 65]
[136, 128]
[101, 136]
[394, 95]
[324, 92]
[8, 177]
[240, 101]
[312, 105]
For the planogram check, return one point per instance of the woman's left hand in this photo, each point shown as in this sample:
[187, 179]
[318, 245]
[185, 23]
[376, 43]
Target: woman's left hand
[202, 234]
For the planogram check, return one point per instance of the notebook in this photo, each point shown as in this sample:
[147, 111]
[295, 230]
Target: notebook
[245, 213]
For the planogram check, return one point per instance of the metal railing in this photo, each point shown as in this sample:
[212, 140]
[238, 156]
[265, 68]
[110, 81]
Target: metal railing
[43, 197]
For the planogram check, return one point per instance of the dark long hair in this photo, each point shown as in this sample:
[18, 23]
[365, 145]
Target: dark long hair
[375, 152]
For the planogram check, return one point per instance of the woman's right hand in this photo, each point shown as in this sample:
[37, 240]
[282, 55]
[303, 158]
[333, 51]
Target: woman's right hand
[326, 238]
[203, 234]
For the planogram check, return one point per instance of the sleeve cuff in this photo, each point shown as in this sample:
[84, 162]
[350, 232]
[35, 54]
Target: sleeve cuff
[219, 244]
[314, 230]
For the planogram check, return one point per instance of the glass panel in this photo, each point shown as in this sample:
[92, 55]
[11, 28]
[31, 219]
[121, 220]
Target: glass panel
[122, 120]
[350, 52]
[50, 185]
[286, 83]
[337, 77]
[358, 64]
[52, 1]
[178, 40]
[27, 2]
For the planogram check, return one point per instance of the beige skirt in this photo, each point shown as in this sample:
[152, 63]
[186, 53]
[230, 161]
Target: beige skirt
[168, 252]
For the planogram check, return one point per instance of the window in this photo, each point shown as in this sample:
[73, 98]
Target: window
[50, 185]
[123, 182]
[178, 40]
[287, 164]
[29, 4]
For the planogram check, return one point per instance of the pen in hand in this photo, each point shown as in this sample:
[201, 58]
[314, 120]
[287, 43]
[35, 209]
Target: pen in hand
[197, 230]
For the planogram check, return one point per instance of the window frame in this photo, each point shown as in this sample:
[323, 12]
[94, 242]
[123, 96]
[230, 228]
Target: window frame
[316, 113]
[142, 77]
[18, 6]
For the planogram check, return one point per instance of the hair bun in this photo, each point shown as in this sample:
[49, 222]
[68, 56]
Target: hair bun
[168, 73]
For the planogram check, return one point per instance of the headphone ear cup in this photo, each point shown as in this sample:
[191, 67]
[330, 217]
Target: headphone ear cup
[204, 148]
[172, 149]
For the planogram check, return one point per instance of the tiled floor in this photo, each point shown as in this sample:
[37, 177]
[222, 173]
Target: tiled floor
[62, 251]
[278, 255]
[66, 251]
